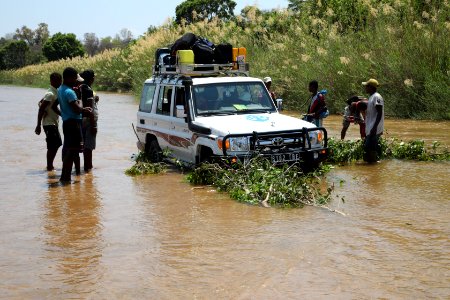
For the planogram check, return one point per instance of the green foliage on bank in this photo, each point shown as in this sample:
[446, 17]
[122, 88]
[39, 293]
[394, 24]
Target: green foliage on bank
[392, 148]
[402, 43]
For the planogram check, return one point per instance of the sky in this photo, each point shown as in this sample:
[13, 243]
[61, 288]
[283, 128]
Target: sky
[103, 17]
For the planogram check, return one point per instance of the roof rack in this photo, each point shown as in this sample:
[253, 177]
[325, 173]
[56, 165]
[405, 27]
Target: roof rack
[203, 69]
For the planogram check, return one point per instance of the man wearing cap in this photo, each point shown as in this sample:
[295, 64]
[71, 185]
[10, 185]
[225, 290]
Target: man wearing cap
[374, 121]
[89, 99]
[268, 83]
[71, 109]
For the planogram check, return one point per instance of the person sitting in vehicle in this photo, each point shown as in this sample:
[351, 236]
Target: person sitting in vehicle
[207, 99]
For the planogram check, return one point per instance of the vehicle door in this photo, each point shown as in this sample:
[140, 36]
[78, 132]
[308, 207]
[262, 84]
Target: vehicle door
[144, 116]
[182, 136]
[161, 119]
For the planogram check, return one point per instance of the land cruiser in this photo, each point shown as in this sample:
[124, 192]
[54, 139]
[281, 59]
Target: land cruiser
[203, 112]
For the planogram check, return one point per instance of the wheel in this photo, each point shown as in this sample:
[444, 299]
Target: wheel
[205, 155]
[153, 151]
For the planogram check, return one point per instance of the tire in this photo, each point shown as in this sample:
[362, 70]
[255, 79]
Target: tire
[153, 151]
[205, 155]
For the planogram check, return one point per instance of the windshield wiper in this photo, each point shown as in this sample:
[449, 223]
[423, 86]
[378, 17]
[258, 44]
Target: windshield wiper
[254, 111]
[217, 113]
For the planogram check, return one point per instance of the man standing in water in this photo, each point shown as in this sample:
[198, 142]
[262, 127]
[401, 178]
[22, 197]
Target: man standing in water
[48, 118]
[374, 122]
[89, 120]
[71, 109]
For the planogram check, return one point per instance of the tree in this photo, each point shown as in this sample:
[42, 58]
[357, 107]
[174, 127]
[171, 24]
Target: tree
[122, 39]
[151, 29]
[35, 39]
[296, 5]
[41, 34]
[91, 43]
[13, 55]
[25, 34]
[62, 46]
[105, 44]
[205, 9]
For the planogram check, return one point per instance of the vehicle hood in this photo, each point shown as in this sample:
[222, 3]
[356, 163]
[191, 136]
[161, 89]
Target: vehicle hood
[247, 123]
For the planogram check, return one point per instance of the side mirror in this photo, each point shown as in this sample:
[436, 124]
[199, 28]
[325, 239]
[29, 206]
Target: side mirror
[280, 104]
[180, 112]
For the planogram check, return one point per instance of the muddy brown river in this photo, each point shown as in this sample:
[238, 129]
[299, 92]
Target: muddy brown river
[111, 236]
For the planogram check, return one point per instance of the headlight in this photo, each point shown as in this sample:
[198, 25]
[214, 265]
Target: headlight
[235, 144]
[316, 137]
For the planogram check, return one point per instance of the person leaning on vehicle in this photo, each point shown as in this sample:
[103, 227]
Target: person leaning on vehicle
[48, 118]
[374, 121]
[71, 109]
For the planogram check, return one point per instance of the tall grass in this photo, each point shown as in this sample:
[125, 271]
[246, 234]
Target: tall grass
[406, 51]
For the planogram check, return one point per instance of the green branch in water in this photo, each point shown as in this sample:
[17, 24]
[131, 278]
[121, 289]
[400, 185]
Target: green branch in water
[258, 182]
[144, 166]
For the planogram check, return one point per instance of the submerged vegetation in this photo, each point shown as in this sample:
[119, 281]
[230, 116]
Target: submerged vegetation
[258, 182]
[144, 166]
[402, 43]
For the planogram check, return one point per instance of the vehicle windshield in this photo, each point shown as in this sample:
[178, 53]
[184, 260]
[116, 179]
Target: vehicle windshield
[232, 98]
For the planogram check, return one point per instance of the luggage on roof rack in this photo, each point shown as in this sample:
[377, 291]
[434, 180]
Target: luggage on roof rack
[202, 70]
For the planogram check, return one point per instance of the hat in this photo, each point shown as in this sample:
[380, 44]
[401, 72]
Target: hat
[267, 79]
[79, 78]
[371, 82]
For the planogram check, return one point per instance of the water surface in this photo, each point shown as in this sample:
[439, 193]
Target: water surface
[110, 236]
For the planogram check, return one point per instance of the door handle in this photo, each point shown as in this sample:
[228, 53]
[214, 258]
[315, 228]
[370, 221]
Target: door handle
[142, 121]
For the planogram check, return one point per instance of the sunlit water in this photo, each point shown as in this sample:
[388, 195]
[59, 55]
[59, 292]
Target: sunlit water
[109, 235]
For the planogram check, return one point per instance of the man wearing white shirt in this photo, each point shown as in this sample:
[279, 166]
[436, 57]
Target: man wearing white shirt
[374, 121]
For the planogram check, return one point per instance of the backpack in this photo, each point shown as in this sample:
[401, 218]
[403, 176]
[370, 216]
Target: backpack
[183, 43]
[223, 54]
[324, 110]
[203, 53]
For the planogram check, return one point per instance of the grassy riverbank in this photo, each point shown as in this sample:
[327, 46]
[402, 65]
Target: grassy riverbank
[407, 51]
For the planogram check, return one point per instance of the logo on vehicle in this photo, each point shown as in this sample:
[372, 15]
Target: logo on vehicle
[278, 141]
[257, 118]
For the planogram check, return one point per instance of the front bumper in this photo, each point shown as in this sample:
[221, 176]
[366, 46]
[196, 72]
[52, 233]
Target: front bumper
[296, 146]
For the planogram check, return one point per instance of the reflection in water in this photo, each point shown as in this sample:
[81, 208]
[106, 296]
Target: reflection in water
[74, 240]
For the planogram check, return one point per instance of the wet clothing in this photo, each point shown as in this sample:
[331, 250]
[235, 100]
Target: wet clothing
[50, 116]
[53, 138]
[88, 137]
[66, 95]
[372, 148]
[73, 138]
[371, 113]
[89, 120]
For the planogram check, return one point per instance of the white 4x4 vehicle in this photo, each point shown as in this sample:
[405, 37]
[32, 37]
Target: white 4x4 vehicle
[200, 118]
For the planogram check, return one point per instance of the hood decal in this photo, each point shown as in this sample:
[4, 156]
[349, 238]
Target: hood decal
[257, 118]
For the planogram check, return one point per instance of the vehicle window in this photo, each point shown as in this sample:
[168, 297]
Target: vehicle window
[147, 98]
[220, 98]
[179, 99]
[164, 100]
